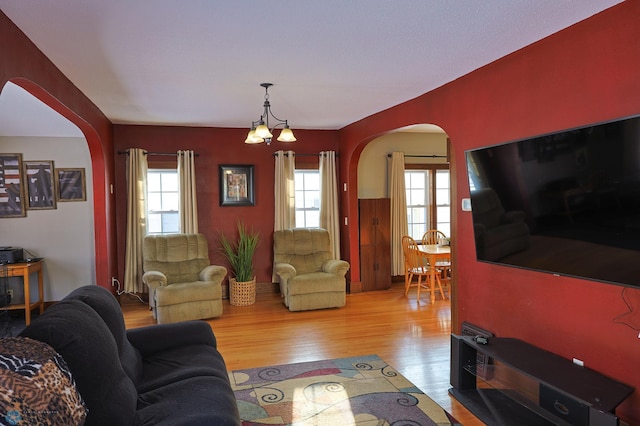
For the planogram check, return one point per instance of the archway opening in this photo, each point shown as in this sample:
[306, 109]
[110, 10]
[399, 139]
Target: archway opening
[61, 232]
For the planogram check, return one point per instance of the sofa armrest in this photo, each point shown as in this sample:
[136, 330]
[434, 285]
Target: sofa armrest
[285, 270]
[158, 338]
[336, 266]
[154, 279]
[213, 273]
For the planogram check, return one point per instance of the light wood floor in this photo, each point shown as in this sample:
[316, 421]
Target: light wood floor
[412, 337]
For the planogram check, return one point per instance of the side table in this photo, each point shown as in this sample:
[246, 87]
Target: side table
[24, 270]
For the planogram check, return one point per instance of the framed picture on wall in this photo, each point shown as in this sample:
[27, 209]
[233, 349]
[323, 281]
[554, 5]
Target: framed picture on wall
[40, 186]
[236, 185]
[12, 193]
[70, 185]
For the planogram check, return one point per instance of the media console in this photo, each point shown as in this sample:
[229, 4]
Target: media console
[525, 385]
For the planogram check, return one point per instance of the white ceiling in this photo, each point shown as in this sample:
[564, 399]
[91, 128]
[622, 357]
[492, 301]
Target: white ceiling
[332, 62]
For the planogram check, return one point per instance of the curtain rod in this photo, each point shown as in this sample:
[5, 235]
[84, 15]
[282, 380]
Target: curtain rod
[422, 156]
[303, 155]
[175, 154]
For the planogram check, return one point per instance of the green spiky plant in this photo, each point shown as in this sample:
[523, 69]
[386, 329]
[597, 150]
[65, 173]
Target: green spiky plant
[240, 253]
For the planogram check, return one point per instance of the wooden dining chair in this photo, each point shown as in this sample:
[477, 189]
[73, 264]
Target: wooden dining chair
[434, 236]
[416, 266]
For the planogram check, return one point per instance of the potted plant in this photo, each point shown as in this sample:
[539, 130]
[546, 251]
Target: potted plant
[239, 254]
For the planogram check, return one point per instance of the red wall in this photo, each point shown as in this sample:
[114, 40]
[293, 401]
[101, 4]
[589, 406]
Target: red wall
[585, 74]
[23, 64]
[217, 146]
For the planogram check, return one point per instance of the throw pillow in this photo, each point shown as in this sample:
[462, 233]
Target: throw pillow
[36, 385]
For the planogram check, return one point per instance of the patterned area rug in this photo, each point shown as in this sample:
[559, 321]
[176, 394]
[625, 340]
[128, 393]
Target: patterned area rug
[363, 391]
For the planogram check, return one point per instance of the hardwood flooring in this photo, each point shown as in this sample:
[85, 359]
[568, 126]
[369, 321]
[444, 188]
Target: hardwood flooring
[411, 336]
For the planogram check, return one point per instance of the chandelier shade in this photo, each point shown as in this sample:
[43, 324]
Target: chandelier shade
[261, 131]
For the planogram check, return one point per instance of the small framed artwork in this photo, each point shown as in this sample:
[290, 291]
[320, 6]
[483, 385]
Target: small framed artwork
[12, 193]
[70, 185]
[236, 185]
[40, 185]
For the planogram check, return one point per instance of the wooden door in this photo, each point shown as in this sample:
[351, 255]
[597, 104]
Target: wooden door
[375, 243]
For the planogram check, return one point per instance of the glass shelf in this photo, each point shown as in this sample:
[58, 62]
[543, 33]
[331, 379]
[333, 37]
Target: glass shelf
[513, 385]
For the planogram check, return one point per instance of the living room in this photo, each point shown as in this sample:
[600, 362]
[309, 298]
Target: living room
[584, 74]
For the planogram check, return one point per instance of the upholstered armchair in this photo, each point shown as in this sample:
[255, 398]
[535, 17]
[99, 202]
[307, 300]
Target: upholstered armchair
[498, 233]
[309, 277]
[182, 283]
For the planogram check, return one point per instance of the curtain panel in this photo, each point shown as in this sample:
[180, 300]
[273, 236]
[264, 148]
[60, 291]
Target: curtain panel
[285, 206]
[188, 210]
[136, 220]
[399, 222]
[329, 213]
[285, 195]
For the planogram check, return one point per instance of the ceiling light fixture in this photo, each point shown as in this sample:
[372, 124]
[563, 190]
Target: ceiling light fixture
[260, 131]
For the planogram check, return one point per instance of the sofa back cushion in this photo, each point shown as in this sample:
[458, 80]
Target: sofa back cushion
[83, 340]
[106, 305]
[307, 249]
[180, 257]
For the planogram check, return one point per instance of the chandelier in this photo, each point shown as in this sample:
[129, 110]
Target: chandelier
[260, 129]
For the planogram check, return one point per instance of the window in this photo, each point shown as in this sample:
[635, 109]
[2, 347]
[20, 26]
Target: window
[428, 201]
[307, 186]
[163, 201]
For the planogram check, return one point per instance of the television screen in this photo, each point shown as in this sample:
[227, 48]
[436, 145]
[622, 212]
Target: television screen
[566, 203]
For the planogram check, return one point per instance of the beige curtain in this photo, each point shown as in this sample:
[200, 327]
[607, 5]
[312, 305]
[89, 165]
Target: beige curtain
[285, 207]
[188, 210]
[329, 218]
[136, 220]
[285, 194]
[399, 223]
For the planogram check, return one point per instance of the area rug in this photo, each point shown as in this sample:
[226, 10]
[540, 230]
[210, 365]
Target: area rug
[363, 391]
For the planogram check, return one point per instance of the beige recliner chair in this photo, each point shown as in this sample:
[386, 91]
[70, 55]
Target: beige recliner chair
[309, 277]
[498, 233]
[182, 283]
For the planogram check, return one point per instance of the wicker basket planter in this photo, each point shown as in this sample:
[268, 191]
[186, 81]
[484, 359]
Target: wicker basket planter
[242, 293]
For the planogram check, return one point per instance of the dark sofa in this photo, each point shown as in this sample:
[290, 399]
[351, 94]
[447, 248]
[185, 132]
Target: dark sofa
[170, 374]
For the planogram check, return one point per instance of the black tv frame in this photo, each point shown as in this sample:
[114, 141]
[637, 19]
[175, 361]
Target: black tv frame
[597, 169]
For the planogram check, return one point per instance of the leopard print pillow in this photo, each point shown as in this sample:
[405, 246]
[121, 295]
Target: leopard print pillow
[36, 386]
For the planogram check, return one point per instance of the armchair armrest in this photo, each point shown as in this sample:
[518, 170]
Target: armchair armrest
[285, 270]
[157, 338]
[479, 230]
[154, 279]
[336, 266]
[214, 273]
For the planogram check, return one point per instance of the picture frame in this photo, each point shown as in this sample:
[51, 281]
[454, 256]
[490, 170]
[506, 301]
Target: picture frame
[12, 192]
[236, 185]
[70, 184]
[40, 185]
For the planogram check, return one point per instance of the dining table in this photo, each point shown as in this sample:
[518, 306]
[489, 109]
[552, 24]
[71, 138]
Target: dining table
[435, 253]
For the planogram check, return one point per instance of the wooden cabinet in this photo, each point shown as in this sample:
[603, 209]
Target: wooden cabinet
[375, 243]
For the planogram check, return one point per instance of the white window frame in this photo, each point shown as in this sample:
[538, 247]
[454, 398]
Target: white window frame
[163, 211]
[307, 212]
[430, 203]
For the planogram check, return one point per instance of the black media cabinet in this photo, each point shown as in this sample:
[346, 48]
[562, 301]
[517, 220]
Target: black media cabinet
[525, 385]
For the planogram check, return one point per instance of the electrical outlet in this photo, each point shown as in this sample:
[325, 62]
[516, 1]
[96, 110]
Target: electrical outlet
[10, 293]
[114, 281]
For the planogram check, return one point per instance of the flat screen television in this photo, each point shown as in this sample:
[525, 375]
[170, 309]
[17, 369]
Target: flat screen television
[566, 203]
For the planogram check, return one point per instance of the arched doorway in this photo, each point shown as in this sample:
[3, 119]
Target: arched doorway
[64, 235]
